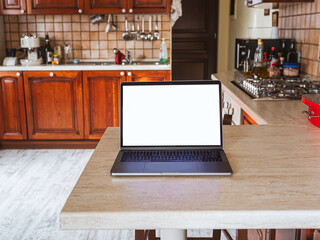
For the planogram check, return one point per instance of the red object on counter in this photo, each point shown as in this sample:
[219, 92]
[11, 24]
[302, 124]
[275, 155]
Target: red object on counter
[313, 101]
[119, 57]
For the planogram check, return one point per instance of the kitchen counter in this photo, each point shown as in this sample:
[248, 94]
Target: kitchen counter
[274, 185]
[263, 112]
[88, 67]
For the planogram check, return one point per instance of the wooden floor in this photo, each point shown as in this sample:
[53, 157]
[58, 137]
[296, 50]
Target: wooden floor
[34, 185]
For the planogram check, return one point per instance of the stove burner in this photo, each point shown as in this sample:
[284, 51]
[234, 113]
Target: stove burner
[282, 88]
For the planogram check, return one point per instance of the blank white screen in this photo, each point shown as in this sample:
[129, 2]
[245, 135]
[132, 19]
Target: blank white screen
[171, 115]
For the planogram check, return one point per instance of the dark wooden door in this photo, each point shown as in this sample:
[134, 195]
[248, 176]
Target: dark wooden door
[55, 6]
[12, 107]
[149, 6]
[142, 76]
[54, 105]
[194, 41]
[105, 6]
[13, 7]
[101, 91]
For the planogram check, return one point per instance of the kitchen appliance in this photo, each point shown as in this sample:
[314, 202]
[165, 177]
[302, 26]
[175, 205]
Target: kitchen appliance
[32, 44]
[10, 59]
[244, 45]
[286, 88]
[313, 101]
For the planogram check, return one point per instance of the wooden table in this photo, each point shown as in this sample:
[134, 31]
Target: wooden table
[275, 184]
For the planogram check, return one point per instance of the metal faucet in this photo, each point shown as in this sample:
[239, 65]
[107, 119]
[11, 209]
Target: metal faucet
[128, 58]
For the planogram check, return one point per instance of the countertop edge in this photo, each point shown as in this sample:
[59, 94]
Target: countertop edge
[85, 67]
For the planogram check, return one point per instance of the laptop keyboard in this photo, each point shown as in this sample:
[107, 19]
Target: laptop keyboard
[172, 156]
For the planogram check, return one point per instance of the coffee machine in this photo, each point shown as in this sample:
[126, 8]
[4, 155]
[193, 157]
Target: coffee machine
[32, 44]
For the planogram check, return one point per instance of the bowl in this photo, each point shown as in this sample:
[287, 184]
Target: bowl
[76, 61]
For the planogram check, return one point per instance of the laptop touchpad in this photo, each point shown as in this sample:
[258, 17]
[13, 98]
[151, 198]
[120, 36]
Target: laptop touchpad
[163, 167]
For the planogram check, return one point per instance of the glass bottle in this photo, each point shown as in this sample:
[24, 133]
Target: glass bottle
[292, 56]
[48, 51]
[259, 70]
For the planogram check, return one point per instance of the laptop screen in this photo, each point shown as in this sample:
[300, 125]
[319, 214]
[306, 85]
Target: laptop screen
[171, 114]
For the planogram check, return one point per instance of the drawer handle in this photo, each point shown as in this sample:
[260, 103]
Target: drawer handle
[131, 11]
[123, 10]
[129, 73]
[122, 73]
[80, 11]
[51, 74]
[18, 74]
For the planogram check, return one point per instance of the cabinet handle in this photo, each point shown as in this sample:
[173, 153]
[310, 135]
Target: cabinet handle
[123, 10]
[129, 73]
[22, 11]
[51, 74]
[80, 11]
[122, 73]
[131, 11]
[18, 74]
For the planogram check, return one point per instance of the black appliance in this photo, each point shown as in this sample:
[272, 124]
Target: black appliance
[244, 45]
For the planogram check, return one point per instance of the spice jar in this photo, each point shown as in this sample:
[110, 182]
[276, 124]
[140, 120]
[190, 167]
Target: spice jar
[291, 69]
[56, 59]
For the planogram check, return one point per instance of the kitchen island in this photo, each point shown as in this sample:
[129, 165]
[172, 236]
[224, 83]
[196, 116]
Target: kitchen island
[263, 111]
[274, 185]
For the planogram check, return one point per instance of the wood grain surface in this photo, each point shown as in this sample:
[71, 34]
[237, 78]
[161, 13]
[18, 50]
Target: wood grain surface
[264, 112]
[275, 185]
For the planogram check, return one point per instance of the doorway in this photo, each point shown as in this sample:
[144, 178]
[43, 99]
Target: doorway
[194, 41]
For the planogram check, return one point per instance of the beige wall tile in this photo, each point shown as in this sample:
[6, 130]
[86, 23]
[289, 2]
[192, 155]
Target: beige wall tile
[67, 27]
[49, 18]
[94, 45]
[95, 54]
[76, 27]
[86, 54]
[88, 40]
[49, 27]
[57, 18]
[94, 35]
[85, 36]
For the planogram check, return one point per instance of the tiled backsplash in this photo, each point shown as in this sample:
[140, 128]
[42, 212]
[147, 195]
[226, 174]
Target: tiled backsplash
[89, 41]
[301, 21]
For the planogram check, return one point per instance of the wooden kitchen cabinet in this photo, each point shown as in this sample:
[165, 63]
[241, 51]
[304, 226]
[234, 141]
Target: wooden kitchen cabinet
[101, 92]
[55, 6]
[252, 3]
[12, 106]
[140, 76]
[105, 6]
[149, 6]
[13, 7]
[54, 105]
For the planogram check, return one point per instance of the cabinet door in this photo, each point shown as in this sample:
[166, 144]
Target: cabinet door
[141, 76]
[14, 7]
[105, 6]
[247, 120]
[54, 105]
[55, 6]
[12, 106]
[149, 6]
[101, 90]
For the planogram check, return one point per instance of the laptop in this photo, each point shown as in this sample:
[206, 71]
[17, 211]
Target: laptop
[171, 129]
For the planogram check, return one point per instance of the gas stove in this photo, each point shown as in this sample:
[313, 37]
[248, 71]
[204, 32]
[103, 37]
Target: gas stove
[278, 89]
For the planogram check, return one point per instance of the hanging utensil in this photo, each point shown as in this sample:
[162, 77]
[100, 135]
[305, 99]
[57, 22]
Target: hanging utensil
[133, 32]
[156, 33]
[126, 35]
[150, 35]
[113, 26]
[108, 27]
[143, 36]
[138, 26]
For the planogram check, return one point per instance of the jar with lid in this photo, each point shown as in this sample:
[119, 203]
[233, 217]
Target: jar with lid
[291, 69]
